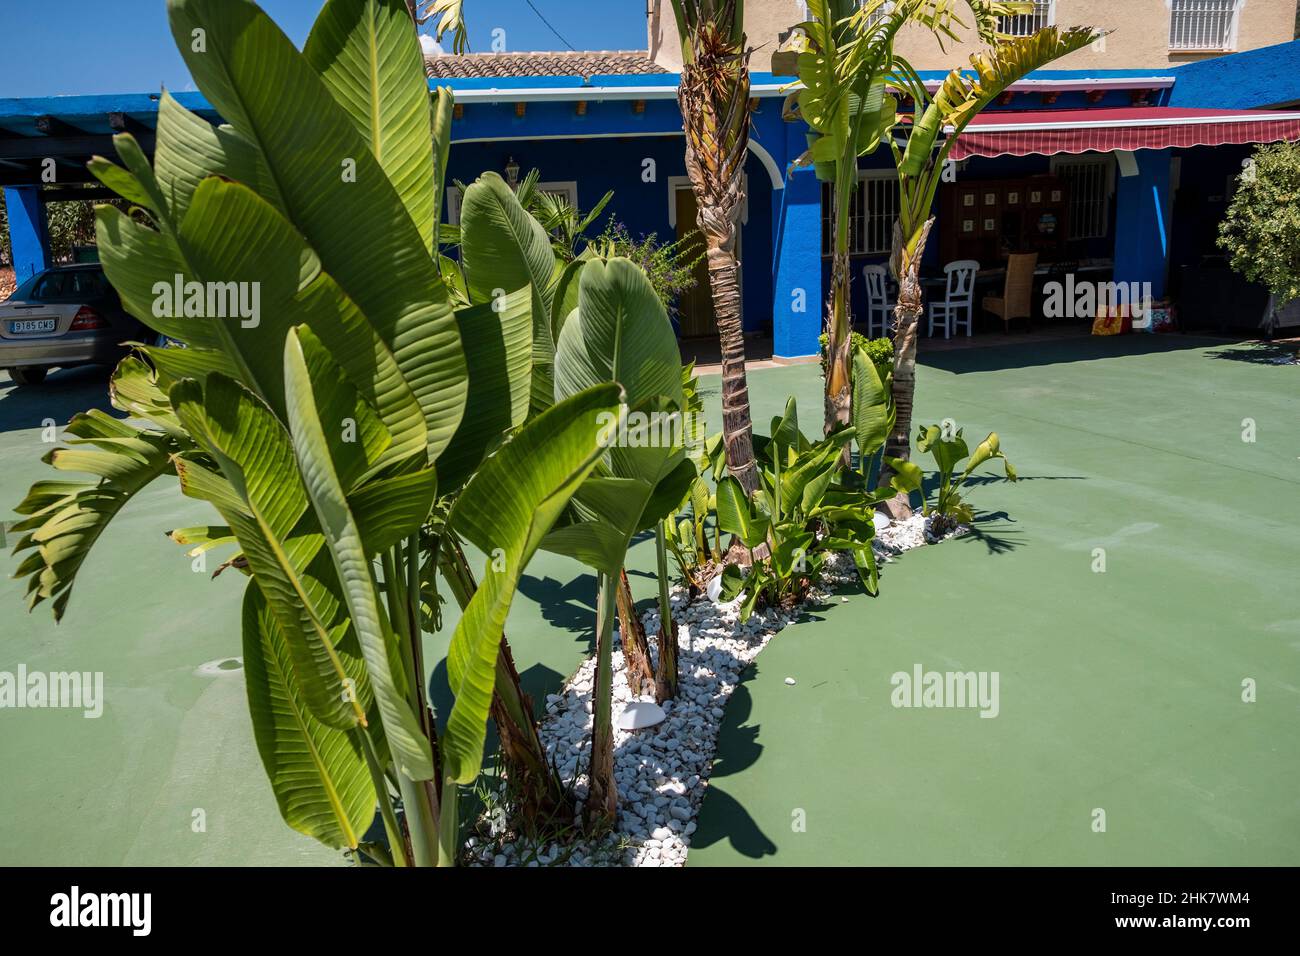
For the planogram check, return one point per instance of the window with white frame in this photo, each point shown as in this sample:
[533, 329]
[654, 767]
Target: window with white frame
[1203, 24]
[565, 190]
[1027, 24]
[1092, 182]
[873, 208]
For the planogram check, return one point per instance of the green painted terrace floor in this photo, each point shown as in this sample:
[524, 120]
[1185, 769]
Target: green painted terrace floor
[1118, 690]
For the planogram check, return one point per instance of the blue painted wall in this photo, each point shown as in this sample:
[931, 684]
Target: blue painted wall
[29, 237]
[599, 164]
[1143, 205]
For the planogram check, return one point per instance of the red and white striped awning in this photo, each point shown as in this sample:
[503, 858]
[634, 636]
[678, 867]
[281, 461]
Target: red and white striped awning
[1048, 132]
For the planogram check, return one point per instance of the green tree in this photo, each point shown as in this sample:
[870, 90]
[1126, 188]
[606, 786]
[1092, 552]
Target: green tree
[1261, 231]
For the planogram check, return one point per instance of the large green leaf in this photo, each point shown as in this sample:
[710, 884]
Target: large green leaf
[508, 506]
[369, 56]
[387, 510]
[357, 225]
[620, 333]
[231, 234]
[189, 149]
[441, 102]
[318, 774]
[565, 297]
[498, 338]
[504, 248]
[64, 519]
[736, 515]
[873, 408]
[137, 260]
[402, 730]
[263, 500]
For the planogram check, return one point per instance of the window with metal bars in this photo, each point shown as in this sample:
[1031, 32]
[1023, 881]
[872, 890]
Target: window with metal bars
[879, 13]
[1202, 24]
[1027, 24]
[1091, 181]
[873, 207]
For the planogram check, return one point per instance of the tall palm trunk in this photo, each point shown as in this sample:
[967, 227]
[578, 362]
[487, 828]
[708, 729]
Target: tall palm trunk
[839, 361]
[666, 672]
[714, 101]
[636, 647]
[907, 323]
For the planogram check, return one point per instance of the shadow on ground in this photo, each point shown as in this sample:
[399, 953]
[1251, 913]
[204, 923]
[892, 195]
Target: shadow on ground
[721, 816]
[1035, 352]
[1260, 353]
[63, 394]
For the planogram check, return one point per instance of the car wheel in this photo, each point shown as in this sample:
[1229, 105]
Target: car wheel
[31, 375]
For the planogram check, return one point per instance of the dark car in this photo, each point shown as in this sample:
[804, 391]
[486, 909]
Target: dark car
[65, 316]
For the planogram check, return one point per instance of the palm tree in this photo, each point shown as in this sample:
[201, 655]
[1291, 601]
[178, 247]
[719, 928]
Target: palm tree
[714, 100]
[842, 64]
[451, 19]
[963, 94]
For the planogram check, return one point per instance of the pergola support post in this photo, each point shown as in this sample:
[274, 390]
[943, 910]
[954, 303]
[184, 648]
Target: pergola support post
[1143, 210]
[29, 233]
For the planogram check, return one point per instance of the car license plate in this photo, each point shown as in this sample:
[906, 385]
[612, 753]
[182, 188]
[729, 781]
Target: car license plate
[31, 326]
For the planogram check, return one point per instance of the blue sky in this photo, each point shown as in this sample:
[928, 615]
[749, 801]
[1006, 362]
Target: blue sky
[124, 46]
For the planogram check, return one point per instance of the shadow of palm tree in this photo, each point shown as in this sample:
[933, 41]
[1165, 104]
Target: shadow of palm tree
[1000, 542]
[1260, 353]
[722, 816]
[568, 605]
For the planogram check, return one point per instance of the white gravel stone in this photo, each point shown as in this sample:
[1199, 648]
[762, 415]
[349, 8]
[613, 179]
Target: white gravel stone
[662, 775]
[640, 714]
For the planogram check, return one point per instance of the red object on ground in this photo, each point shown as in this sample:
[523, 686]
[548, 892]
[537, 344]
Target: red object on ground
[1048, 132]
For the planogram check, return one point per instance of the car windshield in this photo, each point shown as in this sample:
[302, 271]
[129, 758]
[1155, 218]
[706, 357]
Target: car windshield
[69, 284]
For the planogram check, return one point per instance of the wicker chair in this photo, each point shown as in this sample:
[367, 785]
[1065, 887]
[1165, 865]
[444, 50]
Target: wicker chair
[1017, 299]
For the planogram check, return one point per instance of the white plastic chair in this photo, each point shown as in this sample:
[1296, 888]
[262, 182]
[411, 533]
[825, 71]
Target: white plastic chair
[877, 279]
[959, 297]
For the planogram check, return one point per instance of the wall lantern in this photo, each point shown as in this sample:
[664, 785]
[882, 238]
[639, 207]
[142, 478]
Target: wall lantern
[512, 173]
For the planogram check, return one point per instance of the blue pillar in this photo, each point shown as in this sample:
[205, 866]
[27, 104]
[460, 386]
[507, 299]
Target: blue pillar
[797, 265]
[29, 234]
[1142, 218]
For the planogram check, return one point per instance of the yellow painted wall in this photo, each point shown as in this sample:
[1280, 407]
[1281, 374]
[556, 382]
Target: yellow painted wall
[1140, 38]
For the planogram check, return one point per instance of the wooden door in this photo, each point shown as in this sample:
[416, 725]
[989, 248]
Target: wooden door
[695, 306]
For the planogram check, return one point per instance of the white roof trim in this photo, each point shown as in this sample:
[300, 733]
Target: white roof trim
[598, 93]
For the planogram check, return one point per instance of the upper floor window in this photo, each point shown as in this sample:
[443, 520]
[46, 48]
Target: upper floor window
[1027, 24]
[1202, 24]
[881, 10]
